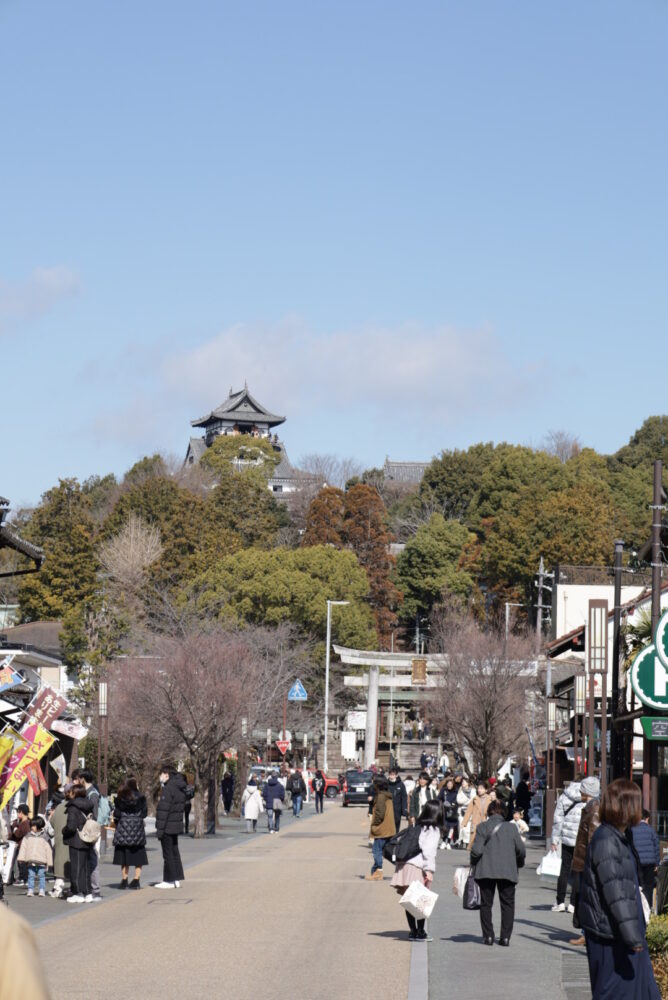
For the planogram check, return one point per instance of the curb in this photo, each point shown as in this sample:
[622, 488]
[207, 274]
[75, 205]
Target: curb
[418, 977]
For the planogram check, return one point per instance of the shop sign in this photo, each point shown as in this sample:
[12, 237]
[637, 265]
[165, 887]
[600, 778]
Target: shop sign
[649, 673]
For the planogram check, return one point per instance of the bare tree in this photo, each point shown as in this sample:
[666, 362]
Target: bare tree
[186, 699]
[128, 555]
[482, 701]
[331, 469]
[562, 444]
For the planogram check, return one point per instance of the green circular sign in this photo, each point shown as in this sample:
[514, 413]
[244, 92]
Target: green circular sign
[661, 638]
[649, 678]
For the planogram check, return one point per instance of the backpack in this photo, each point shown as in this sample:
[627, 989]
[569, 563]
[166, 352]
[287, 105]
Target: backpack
[319, 784]
[90, 831]
[404, 845]
[103, 811]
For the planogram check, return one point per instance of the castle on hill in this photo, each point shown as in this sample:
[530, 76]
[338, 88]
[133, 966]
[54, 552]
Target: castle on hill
[242, 414]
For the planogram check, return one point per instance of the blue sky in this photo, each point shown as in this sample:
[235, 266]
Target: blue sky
[409, 227]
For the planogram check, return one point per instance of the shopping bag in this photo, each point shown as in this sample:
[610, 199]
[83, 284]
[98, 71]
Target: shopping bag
[419, 900]
[10, 854]
[471, 899]
[549, 869]
[459, 881]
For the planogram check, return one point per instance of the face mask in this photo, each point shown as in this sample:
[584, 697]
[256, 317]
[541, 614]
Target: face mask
[163, 781]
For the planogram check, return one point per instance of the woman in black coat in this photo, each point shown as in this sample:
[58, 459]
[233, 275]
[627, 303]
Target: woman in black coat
[169, 824]
[610, 907]
[77, 809]
[130, 836]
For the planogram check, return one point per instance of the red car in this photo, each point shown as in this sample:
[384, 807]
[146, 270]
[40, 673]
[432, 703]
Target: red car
[332, 787]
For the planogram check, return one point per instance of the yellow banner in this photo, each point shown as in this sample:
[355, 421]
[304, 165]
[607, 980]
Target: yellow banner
[6, 750]
[39, 742]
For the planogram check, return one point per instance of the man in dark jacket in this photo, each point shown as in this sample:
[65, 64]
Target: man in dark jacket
[297, 790]
[397, 790]
[273, 794]
[169, 824]
[497, 852]
[647, 848]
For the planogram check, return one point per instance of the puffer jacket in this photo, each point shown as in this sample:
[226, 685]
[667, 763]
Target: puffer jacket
[589, 824]
[129, 815]
[36, 850]
[567, 816]
[273, 790]
[609, 891]
[646, 844]
[169, 811]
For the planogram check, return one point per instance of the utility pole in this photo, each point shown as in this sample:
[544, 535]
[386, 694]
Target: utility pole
[617, 735]
[653, 747]
[539, 612]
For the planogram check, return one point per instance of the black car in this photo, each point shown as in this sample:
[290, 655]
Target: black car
[357, 787]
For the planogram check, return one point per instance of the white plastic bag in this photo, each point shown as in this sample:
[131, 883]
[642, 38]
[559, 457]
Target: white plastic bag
[419, 900]
[459, 881]
[549, 868]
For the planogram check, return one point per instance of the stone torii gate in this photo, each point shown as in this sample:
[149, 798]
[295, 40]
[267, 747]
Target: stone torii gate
[406, 671]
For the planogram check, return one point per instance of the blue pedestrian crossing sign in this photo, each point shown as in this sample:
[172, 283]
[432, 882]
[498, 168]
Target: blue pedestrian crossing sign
[297, 692]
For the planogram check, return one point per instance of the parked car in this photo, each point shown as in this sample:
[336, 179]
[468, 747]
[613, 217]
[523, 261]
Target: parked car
[357, 787]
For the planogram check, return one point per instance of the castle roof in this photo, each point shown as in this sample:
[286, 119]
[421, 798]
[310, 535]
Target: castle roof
[239, 407]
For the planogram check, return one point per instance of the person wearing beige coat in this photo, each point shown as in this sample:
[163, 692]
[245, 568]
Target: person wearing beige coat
[382, 826]
[476, 811]
[35, 851]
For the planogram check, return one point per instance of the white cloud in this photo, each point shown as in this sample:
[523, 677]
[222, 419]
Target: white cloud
[409, 371]
[21, 301]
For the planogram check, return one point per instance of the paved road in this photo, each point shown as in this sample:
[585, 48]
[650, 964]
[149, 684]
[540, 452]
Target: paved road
[237, 922]
[539, 963]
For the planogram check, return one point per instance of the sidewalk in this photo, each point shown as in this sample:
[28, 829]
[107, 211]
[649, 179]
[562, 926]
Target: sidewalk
[538, 965]
[230, 832]
[288, 917]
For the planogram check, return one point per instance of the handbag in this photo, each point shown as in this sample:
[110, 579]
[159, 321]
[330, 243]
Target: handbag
[278, 805]
[418, 900]
[471, 898]
[459, 881]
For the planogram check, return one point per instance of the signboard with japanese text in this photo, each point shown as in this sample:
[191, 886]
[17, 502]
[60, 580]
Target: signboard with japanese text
[419, 670]
[18, 743]
[46, 706]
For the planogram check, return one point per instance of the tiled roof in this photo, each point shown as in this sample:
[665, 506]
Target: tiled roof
[10, 540]
[240, 406]
[405, 472]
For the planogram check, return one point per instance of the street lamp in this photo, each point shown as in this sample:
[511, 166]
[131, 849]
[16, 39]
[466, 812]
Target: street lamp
[330, 604]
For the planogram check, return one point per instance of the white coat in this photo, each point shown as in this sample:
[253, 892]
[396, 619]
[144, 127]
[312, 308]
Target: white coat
[251, 802]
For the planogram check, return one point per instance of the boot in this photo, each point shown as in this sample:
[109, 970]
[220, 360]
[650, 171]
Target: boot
[376, 877]
[124, 884]
[134, 884]
[577, 941]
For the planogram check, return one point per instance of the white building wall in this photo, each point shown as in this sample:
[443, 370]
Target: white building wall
[571, 602]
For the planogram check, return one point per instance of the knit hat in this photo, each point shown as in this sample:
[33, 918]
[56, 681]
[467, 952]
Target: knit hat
[591, 787]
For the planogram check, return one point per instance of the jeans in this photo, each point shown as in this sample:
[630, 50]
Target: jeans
[296, 805]
[377, 851]
[40, 871]
[251, 825]
[507, 901]
[566, 862]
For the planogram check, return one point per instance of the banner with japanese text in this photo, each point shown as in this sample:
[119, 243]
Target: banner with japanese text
[46, 706]
[18, 743]
[38, 741]
[35, 776]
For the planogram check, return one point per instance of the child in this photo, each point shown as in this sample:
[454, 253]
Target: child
[520, 824]
[36, 853]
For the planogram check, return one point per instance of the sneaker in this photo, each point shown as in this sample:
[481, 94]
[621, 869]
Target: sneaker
[42, 893]
[177, 885]
[89, 898]
[165, 885]
[424, 937]
[30, 893]
[55, 894]
[75, 899]
[95, 898]
[559, 908]
[441, 846]
[449, 846]
[570, 908]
